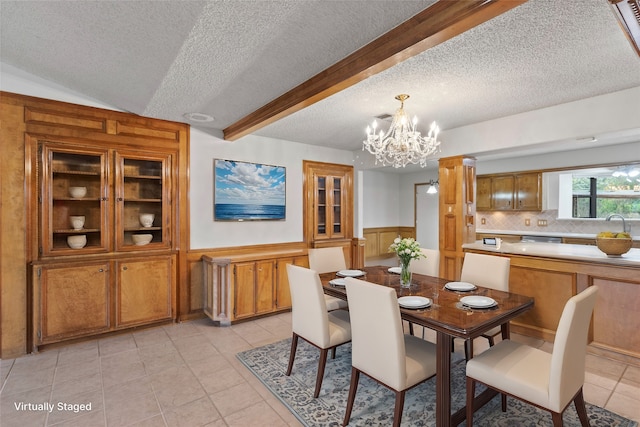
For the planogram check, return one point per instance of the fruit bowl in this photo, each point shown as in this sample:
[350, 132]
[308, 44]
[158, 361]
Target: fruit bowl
[614, 246]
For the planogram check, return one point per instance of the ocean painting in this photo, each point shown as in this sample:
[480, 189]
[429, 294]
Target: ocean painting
[248, 191]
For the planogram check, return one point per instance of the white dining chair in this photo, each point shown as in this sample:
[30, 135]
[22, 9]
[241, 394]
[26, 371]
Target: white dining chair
[311, 321]
[489, 271]
[380, 349]
[429, 265]
[328, 260]
[550, 381]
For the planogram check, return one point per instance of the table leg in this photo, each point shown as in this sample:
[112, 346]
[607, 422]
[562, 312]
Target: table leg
[443, 380]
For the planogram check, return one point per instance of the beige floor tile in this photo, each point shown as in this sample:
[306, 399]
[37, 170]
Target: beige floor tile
[32, 362]
[15, 414]
[221, 380]
[175, 387]
[629, 388]
[155, 421]
[632, 373]
[62, 390]
[150, 337]
[258, 415]
[95, 418]
[180, 330]
[67, 407]
[116, 344]
[122, 373]
[234, 399]
[82, 354]
[624, 405]
[197, 413]
[18, 382]
[77, 370]
[596, 395]
[136, 408]
[202, 368]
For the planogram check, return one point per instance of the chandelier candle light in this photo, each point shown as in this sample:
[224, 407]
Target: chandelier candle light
[401, 144]
[407, 249]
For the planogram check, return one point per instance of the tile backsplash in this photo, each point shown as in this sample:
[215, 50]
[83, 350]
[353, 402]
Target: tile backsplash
[516, 221]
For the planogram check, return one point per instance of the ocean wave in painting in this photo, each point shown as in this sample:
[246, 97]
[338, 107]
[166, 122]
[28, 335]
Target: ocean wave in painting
[236, 212]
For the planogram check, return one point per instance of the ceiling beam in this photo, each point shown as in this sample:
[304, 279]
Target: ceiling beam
[438, 23]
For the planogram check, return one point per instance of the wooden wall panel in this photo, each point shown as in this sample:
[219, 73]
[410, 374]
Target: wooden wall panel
[616, 315]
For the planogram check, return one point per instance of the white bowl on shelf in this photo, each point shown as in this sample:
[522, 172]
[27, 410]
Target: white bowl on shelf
[78, 241]
[78, 192]
[141, 239]
[146, 219]
[76, 221]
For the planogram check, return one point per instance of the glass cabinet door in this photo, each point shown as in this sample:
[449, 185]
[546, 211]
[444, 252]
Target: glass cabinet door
[143, 213]
[74, 200]
[329, 215]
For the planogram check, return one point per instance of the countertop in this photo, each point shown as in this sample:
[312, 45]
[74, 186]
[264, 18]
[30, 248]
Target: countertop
[543, 233]
[561, 251]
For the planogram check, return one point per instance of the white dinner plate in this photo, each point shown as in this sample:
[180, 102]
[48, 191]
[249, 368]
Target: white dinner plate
[395, 270]
[477, 301]
[337, 282]
[350, 273]
[460, 286]
[414, 302]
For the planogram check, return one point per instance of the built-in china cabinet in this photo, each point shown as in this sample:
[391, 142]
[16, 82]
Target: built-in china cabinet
[106, 198]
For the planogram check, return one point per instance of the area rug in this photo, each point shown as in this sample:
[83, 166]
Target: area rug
[374, 403]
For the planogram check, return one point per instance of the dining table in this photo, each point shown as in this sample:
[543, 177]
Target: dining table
[448, 316]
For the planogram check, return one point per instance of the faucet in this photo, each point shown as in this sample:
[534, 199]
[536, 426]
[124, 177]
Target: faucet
[624, 224]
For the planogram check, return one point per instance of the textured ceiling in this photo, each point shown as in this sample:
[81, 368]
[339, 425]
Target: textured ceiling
[228, 58]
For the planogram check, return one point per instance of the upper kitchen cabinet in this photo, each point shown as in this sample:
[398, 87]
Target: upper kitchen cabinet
[510, 192]
[328, 190]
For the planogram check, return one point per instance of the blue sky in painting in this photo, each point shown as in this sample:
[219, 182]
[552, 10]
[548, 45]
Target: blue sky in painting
[249, 183]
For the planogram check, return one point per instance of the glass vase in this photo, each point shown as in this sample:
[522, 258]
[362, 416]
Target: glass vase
[405, 275]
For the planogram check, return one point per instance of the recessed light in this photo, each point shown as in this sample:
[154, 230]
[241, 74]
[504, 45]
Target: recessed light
[198, 117]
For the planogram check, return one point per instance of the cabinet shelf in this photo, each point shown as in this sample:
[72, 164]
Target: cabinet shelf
[74, 172]
[156, 177]
[144, 200]
[72, 231]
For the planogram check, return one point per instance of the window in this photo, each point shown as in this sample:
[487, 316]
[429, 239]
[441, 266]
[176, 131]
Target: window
[600, 196]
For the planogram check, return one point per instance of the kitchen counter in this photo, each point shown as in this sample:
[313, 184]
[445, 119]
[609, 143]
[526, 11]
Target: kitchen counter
[552, 273]
[541, 233]
[561, 251]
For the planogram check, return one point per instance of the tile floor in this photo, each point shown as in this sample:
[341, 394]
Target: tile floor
[187, 375]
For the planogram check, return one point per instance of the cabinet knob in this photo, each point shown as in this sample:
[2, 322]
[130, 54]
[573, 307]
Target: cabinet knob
[120, 199]
[124, 268]
[101, 270]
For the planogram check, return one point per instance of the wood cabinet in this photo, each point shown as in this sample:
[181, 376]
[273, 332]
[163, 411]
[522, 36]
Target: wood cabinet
[262, 286]
[71, 300]
[509, 192]
[96, 180]
[328, 208]
[282, 293]
[143, 290]
[378, 240]
[76, 299]
[108, 191]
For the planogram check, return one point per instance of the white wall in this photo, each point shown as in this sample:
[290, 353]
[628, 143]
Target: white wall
[381, 199]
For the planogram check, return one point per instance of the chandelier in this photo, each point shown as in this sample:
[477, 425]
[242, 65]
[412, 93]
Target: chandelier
[401, 144]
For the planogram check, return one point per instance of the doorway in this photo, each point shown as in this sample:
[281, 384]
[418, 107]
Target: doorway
[426, 217]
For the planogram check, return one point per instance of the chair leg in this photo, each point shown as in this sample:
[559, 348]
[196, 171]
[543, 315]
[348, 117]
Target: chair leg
[504, 402]
[355, 376]
[411, 328]
[557, 419]
[468, 349]
[581, 408]
[333, 352]
[492, 342]
[471, 392]
[292, 353]
[397, 412]
[321, 364]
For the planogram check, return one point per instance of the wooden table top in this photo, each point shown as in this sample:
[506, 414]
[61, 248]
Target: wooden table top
[446, 313]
